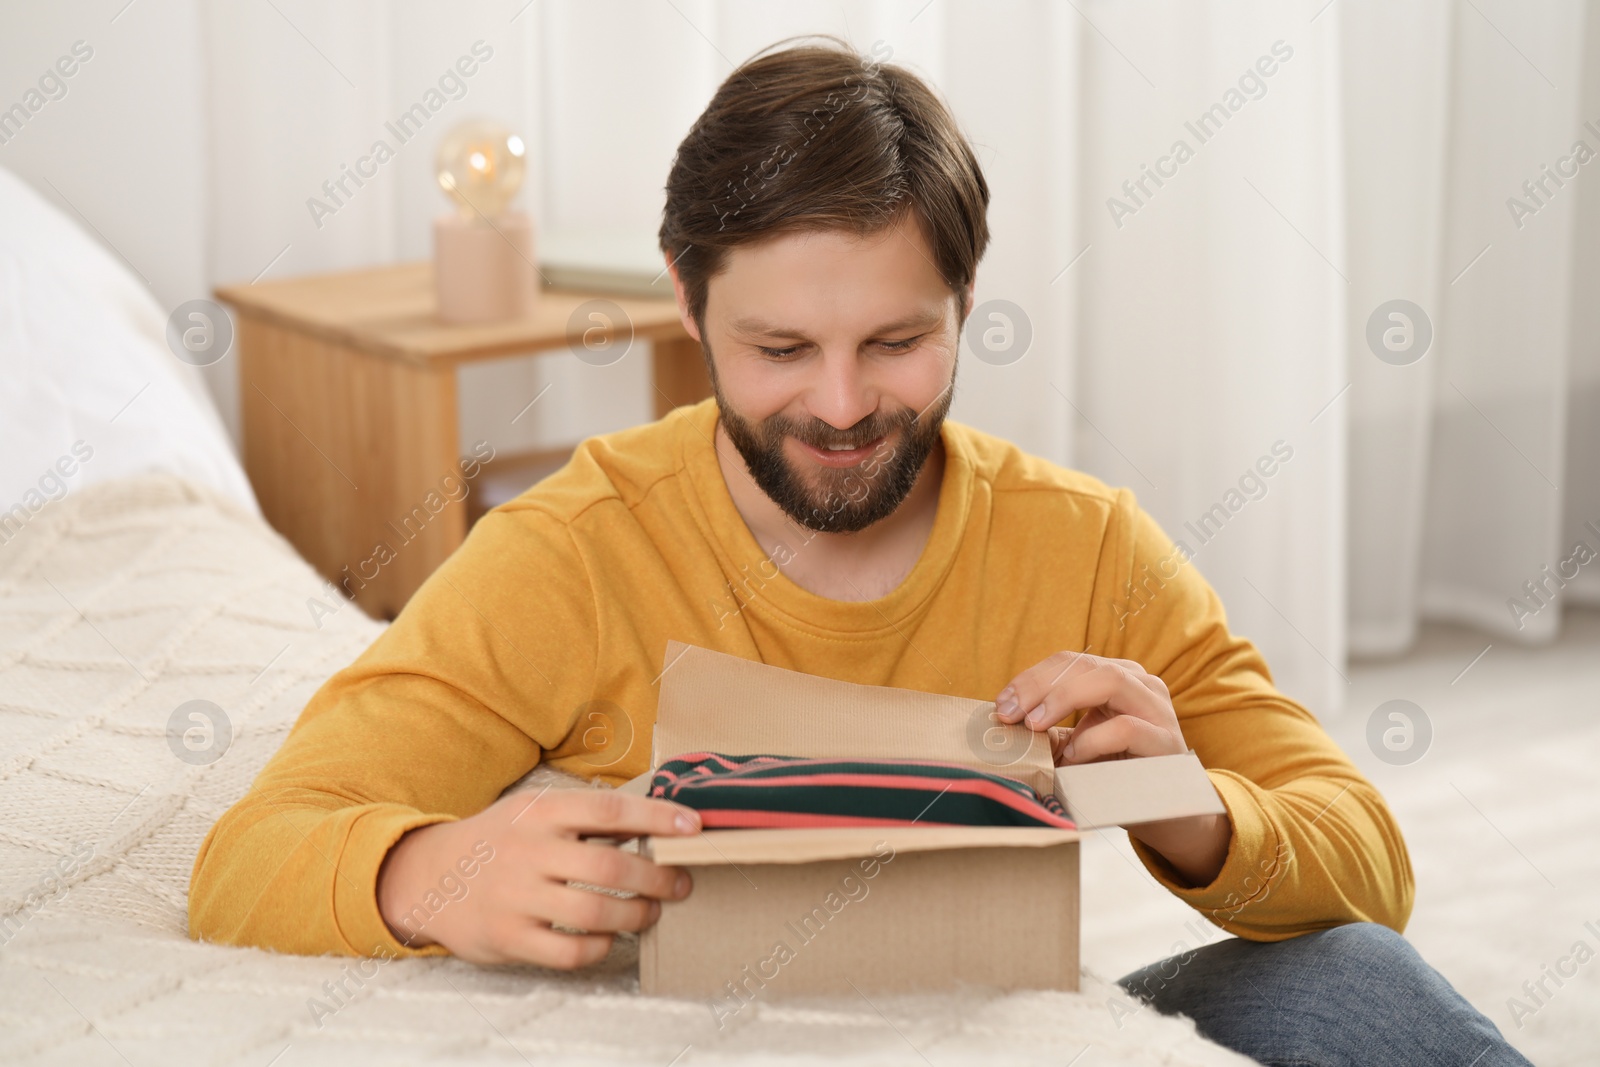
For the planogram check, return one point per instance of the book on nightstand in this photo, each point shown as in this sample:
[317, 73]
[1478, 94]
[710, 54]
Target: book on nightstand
[625, 263]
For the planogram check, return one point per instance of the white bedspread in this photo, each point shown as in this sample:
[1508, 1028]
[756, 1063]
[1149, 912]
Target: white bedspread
[129, 598]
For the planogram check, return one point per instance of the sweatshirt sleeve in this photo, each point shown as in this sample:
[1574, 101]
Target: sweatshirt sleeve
[483, 670]
[1314, 845]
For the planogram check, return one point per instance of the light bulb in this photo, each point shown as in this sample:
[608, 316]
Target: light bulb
[480, 165]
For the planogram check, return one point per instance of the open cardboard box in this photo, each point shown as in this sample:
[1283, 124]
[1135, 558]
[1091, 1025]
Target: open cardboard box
[894, 909]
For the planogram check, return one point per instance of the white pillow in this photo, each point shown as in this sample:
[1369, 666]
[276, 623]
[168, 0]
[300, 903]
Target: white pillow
[80, 337]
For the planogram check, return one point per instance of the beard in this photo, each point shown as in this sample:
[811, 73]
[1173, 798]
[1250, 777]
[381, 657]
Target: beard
[837, 499]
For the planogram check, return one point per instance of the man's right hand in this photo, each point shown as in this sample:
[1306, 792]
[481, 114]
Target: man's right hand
[503, 912]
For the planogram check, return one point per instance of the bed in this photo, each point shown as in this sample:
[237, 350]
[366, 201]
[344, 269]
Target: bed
[152, 581]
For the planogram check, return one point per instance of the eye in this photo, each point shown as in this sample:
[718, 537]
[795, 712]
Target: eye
[900, 346]
[779, 353]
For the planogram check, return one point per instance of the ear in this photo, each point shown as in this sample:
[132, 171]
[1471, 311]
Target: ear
[689, 324]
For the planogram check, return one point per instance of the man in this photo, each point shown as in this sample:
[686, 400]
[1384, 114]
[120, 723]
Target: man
[823, 225]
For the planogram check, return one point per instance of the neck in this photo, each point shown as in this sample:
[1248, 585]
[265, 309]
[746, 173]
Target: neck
[863, 565]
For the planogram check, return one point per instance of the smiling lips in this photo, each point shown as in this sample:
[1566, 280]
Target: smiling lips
[849, 457]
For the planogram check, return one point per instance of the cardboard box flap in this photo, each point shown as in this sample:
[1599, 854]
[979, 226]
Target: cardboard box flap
[808, 845]
[1129, 791]
[714, 702]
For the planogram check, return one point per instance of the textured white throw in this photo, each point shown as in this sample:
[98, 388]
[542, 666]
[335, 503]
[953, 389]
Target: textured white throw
[126, 600]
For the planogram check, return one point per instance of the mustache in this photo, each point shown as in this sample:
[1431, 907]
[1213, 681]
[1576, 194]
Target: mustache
[820, 434]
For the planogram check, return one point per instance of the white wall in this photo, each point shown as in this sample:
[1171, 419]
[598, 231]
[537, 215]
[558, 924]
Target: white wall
[125, 151]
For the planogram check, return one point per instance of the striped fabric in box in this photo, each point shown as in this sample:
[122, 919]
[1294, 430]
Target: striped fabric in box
[787, 791]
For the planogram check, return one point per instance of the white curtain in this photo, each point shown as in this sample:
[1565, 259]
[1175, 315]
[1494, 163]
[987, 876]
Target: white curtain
[1476, 469]
[1199, 316]
[1211, 339]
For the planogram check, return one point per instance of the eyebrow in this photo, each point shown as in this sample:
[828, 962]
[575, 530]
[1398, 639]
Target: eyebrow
[918, 319]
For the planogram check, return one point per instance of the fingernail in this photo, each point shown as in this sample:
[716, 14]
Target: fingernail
[683, 884]
[1035, 717]
[655, 909]
[687, 823]
[1006, 705]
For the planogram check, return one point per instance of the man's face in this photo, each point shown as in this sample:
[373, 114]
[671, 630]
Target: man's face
[828, 339]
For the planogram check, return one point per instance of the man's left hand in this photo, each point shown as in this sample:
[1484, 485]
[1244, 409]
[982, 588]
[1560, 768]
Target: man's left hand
[1127, 712]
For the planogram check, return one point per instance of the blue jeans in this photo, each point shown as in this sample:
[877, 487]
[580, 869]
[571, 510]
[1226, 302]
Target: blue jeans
[1356, 995]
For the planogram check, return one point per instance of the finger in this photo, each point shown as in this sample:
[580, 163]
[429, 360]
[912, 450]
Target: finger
[1090, 716]
[1059, 736]
[594, 811]
[1021, 694]
[1150, 681]
[528, 941]
[1055, 669]
[1107, 683]
[579, 861]
[1121, 734]
[591, 911]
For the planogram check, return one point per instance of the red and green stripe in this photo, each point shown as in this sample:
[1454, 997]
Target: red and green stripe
[788, 791]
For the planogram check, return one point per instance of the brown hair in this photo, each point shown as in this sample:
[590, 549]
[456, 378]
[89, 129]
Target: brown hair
[819, 137]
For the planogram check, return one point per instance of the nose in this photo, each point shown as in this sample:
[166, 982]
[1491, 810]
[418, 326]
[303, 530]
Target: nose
[842, 396]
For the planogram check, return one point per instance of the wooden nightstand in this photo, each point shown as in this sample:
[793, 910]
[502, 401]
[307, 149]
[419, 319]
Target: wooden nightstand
[348, 392]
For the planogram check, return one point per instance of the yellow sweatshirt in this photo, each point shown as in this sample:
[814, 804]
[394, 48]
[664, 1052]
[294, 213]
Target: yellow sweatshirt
[542, 637]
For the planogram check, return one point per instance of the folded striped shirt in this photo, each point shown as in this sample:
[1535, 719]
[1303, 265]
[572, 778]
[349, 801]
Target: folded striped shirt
[788, 791]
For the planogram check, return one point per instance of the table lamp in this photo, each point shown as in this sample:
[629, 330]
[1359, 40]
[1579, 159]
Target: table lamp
[483, 257]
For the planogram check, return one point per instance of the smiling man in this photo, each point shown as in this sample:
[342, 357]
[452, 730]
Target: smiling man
[838, 368]
[824, 222]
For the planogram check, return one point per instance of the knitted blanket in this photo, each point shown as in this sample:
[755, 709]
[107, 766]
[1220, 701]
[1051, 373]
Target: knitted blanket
[134, 604]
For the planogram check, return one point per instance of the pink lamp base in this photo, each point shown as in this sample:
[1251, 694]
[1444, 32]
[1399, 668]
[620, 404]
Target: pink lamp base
[483, 272]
